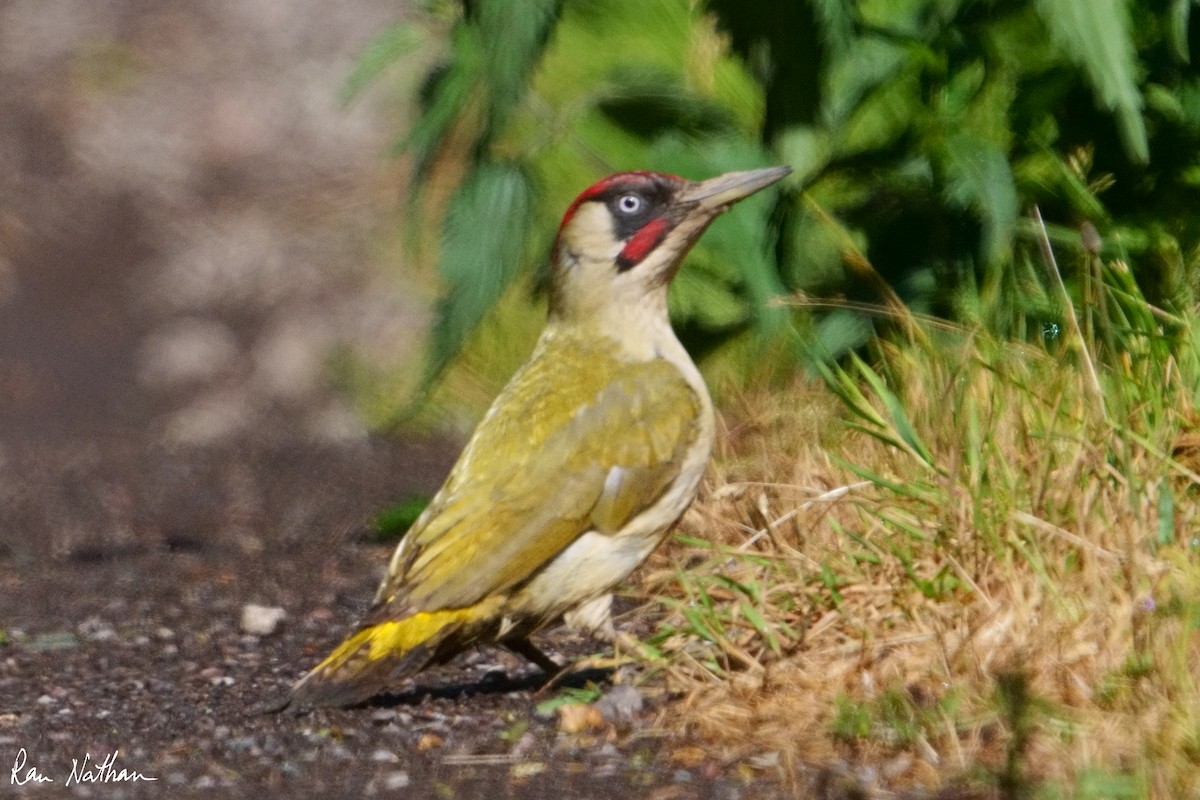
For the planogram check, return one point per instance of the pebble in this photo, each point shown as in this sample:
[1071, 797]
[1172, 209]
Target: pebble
[897, 766]
[621, 704]
[340, 752]
[527, 769]
[396, 780]
[186, 351]
[526, 744]
[385, 756]
[579, 717]
[261, 620]
[429, 741]
[96, 629]
[607, 750]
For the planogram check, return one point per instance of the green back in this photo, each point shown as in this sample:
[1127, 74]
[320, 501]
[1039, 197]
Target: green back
[533, 476]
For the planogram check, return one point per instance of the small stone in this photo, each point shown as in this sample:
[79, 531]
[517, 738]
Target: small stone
[607, 750]
[97, 630]
[621, 704]
[218, 416]
[46, 700]
[579, 717]
[186, 351]
[897, 766]
[527, 769]
[385, 756]
[866, 775]
[396, 780]
[429, 741]
[526, 744]
[261, 620]
[340, 752]
[768, 760]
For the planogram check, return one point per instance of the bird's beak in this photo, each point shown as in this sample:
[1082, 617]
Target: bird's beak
[715, 194]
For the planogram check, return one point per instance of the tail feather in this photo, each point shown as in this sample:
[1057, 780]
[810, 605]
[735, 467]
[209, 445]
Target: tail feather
[380, 655]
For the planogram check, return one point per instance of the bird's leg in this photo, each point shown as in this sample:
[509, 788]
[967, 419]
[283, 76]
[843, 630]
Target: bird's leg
[528, 650]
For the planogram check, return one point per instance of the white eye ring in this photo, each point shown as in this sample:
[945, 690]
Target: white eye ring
[630, 203]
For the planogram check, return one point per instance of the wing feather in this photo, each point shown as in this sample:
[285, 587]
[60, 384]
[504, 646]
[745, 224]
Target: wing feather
[608, 449]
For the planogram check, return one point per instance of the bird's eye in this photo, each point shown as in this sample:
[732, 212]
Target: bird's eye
[630, 203]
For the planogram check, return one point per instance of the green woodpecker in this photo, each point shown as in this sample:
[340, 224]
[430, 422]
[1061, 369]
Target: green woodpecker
[578, 470]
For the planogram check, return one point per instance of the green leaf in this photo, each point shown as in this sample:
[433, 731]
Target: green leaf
[513, 36]
[395, 42]
[903, 426]
[483, 250]
[699, 296]
[868, 63]
[739, 244]
[448, 92]
[392, 522]
[1097, 35]
[978, 176]
[1177, 28]
[1166, 513]
[760, 625]
[649, 101]
[836, 20]
[586, 694]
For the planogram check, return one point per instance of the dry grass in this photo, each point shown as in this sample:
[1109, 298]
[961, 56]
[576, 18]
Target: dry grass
[955, 566]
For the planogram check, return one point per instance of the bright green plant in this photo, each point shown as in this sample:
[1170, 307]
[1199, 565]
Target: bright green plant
[919, 130]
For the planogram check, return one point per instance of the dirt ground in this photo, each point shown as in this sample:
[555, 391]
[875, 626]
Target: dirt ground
[187, 223]
[135, 645]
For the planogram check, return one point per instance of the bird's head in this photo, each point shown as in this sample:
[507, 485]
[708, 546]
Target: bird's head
[622, 240]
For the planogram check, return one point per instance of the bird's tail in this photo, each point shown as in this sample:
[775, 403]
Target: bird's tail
[381, 654]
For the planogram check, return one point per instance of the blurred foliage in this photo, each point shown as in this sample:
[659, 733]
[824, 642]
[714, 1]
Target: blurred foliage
[393, 522]
[919, 131]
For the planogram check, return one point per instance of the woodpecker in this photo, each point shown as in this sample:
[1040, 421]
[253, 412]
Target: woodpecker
[582, 465]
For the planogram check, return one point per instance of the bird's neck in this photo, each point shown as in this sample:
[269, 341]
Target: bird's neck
[637, 330]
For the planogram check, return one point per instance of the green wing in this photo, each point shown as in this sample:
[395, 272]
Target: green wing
[564, 450]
